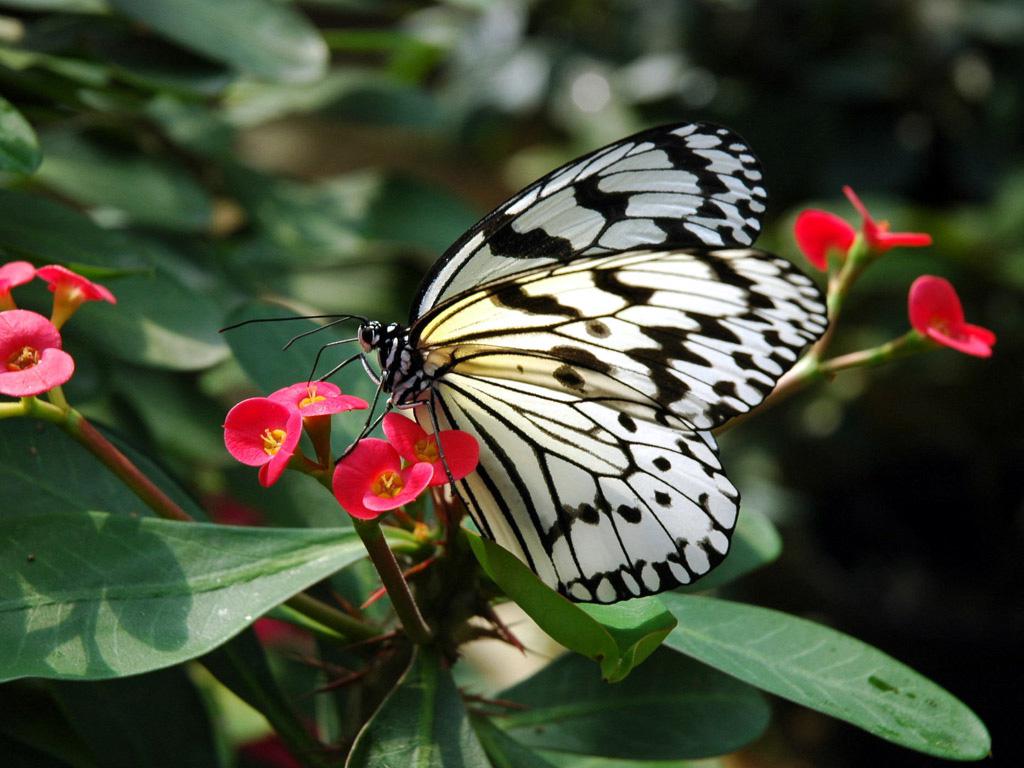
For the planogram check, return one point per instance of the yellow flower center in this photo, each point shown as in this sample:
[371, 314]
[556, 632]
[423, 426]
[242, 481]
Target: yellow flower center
[426, 449]
[24, 358]
[311, 397]
[388, 484]
[273, 439]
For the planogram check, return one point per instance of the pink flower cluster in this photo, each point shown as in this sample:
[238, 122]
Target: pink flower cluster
[31, 358]
[933, 305]
[375, 477]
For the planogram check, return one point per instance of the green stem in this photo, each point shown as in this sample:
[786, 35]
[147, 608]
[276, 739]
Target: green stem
[350, 627]
[809, 370]
[394, 582]
[85, 433]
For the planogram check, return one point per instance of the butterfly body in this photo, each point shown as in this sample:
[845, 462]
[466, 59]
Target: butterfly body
[590, 333]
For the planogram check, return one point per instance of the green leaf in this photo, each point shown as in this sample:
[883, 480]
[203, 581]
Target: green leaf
[129, 187]
[265, 38]
[634, 628]
[76, 6]
[45, 232]
[19, 148]
[638, 628]
[95, 596]
[569, 760]
[43, 470]
[124, 727]
[670, 708]
[504, 751]
[33, 719]
[828, 671]
[421, 723]
[755, 543]
[157, 322]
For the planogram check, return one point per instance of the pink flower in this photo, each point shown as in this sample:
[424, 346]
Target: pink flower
[370, 480]
[317, 398]
[268, 752]
[31, 360]
[70, 291]
[936, 312]
[261, 433]
[461, 450]
[877, 234]
[819, 232]
[12, 274]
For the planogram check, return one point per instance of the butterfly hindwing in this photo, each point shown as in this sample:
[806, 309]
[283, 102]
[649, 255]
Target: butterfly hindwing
[591, 387]
[604, 500]
[683, 186]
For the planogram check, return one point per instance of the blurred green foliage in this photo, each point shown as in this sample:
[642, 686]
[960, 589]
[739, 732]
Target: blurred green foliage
[213, 161]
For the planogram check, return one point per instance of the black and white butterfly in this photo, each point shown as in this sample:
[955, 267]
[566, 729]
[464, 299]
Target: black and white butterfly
[590, 333]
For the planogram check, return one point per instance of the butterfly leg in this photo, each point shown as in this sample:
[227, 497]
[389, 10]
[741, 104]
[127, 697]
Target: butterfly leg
[371, 422]
[432, 407]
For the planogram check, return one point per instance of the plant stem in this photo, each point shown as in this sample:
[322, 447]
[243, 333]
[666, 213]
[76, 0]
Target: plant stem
[86, 434]
[394, 582]
[352, 628]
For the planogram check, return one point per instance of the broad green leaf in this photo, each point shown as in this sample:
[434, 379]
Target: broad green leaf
[94, 596]
[670, 708]
[828, 671]
[251, 102]
[43, 470]
[265, 38]
[504, 751]
[45, 231]
[19, 148]
[75, 6]
[121, 721]
[421, 723]
[755, 543]
[638, 628]
[157, 322]
[127, 186]
[418, 214]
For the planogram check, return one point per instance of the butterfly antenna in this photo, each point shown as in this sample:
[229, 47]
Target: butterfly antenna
[334, 317]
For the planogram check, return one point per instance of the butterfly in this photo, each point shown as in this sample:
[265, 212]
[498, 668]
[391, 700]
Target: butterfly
[590, 332]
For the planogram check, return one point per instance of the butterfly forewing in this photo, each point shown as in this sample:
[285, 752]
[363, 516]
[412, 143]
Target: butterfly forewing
[692, 185]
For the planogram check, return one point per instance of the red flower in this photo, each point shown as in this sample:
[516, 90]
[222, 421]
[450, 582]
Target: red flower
[818, 232]
[317, 398]
[877, 234]
[268, 752]
[31, 360]
[371, 481]
[12, 274]
[70, 291]
[936, 312]
[461, 450]
[261, 433]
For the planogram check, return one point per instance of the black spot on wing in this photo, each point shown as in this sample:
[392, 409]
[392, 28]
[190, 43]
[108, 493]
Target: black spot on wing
[535, 243]
[569, 377]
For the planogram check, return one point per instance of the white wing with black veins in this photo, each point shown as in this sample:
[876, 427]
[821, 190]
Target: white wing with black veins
[686, 186]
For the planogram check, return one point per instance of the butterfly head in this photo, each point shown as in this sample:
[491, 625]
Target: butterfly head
[369, 335]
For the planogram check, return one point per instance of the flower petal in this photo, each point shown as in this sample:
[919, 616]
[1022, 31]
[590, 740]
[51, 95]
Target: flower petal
[415, 480]
[403, 433]
[15, 273]
[461, 453]
[56, 275]
[22, 328]
[817, 232]
[356, 471]
[330, 399]
[248, 420]
[54, 368]
[932, 300]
